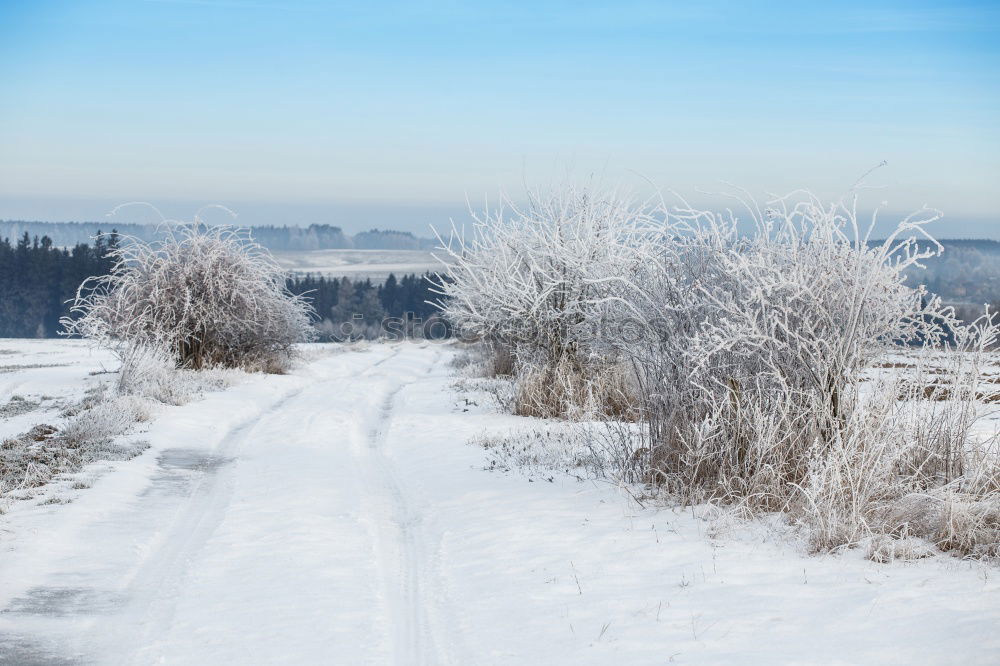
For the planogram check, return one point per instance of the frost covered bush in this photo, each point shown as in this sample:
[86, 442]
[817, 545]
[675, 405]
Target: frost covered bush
[755, 356]
[183, 315]
[751, 356]
[113, 415]
[150, 372]
[597, 388]
[946, 486]
[533, 282]
[759, 338]
[206, 296]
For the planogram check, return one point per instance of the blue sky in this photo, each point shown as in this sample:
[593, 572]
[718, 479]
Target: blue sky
[392, 114]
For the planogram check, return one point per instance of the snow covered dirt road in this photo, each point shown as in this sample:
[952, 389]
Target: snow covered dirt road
[281, 539]
[338, 516]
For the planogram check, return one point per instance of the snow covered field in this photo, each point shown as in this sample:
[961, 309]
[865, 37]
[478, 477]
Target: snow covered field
[339, 515]
[44, 376]
[357, 264]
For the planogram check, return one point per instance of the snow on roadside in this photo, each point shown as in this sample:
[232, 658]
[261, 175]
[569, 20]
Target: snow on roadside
[575, 572]
[350, 520]
[63, 420]
[51, 373]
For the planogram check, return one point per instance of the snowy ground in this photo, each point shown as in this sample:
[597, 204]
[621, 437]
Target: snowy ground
[45, 375]
[337, 515]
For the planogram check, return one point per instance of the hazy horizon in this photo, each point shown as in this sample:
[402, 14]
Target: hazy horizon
[357, 217]
[391, 115]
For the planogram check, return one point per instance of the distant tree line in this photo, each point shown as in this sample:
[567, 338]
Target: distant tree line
[312, 237]
[360, 309]
[37, 278]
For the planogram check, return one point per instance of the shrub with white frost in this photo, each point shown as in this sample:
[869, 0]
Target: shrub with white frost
[206, 296]
[762, 362]
[786, 316]
[759, 358]
[533, 281]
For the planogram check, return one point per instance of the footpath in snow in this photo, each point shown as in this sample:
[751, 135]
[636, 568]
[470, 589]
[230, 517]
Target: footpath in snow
[339, 516]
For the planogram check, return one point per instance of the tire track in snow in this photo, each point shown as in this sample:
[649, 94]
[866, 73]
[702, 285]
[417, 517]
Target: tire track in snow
[155, 589]
[407, 617]
[413, 635]
[450, 644]
[157, 584]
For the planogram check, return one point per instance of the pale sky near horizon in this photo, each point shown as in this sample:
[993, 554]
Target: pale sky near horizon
[391, 114]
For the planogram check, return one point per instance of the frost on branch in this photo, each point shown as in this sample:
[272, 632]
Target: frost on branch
[755, 357]
[786, 315]
[534, 281]
[761, 355]
[207, 296]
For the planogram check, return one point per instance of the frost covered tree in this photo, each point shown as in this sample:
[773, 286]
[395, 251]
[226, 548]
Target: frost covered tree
[206, 296]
